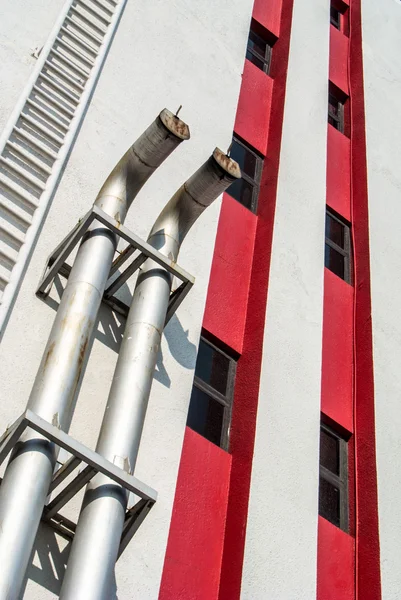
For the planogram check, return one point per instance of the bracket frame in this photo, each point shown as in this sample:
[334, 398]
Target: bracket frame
[95, 463]
[56, 263]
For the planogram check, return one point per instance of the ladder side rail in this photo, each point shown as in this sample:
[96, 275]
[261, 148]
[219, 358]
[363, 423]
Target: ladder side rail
[18, 272]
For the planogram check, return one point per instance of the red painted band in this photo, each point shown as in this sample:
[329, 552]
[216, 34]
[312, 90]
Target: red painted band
[195, 543]
[243, 424]
[368, 585]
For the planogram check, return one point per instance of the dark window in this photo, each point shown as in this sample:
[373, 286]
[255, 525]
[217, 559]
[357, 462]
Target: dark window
[211, 399]
[337, 253]
[259, 51]
[246, 189]
[339, 16]
[335, 18]
[336, 111]
[333, 478]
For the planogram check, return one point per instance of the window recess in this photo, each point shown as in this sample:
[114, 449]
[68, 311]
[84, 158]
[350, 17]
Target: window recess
[339, 15]
[333, 478]
[335, 18]
[336, 111]
[338, 251]
[212, 394]
[260, 46]
[246, 189]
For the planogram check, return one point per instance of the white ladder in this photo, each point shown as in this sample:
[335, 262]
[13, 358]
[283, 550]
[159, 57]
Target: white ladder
[39, 134]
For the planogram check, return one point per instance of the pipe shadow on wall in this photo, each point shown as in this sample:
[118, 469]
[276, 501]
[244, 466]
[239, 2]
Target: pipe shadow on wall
[110, 330]
[49, 562]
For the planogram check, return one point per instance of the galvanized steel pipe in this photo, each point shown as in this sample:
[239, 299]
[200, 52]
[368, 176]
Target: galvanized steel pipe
[29, 472]
[90, 569]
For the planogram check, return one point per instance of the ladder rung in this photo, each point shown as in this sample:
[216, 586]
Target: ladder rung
[22, 217]
[55, 103]
[18, 191]
[64, 75]
[35, 143]
[5, 278]
[15, 236]
[9, 254]
[30, 158]
[78, 41]
[94, 13]
[23, 174]
[46, 133]
[106, 9]
[70, 95]
[47, 114]
[87, 21]
[69, 64]
[74, 52]
[84, 31]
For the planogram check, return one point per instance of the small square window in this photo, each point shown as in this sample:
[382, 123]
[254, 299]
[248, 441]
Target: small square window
[330, 451]
[335, 18]
[329, 501]
[339, 16]
[337, 254]
[336, 112]
[211, 399]
[333, 478]
[246, 189]
[205, 416]
[212, 367]
[259, 51]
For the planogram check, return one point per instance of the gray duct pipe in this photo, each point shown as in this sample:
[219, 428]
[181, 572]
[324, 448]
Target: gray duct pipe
[26, 482]
[90, 569]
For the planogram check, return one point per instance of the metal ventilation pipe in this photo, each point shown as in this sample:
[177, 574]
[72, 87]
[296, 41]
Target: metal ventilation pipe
[29, 473]
[90, 569]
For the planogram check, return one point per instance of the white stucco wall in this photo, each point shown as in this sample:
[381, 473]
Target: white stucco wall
[381, 32]
[164, 54]
[281, 535]
[24, 26]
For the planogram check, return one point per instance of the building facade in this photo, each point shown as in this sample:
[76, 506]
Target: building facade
[272, 429]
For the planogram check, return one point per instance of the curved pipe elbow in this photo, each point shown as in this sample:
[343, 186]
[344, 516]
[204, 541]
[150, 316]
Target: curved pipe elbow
[189, 202]
[139, 162]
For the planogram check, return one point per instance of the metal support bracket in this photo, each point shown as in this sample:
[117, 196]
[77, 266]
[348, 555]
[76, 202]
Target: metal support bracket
[94, 464]
[56, 263]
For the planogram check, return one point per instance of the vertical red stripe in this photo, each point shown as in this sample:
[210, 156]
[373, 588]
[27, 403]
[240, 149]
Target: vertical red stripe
[195, 543]
[336, 549]
[254, 105]
[335, 563]
[338, 172]
[268, 14]
[367, 532]
[227, 296]
[337, 350]
[338, 69]
[243, 424]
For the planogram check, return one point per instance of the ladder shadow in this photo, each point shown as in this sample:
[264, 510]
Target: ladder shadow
[110, 329]
[48, 562]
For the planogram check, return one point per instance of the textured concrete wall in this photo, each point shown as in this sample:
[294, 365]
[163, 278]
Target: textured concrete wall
[382, 67]
[24, 26]
[163, 55]
[281, 537]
